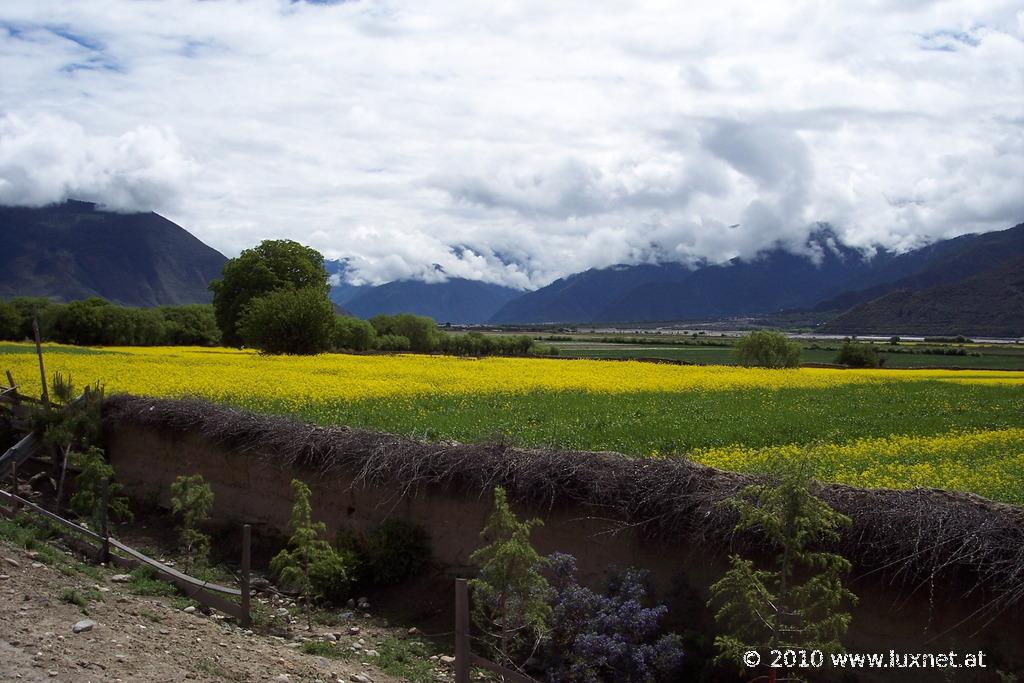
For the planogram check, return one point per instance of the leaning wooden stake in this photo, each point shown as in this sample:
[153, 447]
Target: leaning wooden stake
[45, 396]
[246, 560]
[462, 648]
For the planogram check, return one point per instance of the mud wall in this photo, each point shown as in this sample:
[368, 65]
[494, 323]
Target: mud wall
[256, 490]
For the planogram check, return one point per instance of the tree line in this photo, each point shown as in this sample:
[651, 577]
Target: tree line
[273, 297]
[97, 322]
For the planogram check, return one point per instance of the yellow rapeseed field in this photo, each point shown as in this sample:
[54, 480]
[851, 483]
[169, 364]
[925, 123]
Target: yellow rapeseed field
[990, 462]
[217, 373]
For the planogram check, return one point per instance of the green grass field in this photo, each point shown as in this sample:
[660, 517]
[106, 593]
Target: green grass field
[1006, 357]
[643, 423]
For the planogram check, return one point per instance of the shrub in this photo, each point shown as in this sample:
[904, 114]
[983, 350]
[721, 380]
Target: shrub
[79, 322]
[856, 355]
[97, 322]
[293, 321]
[767, 349]
[331, 576]
[353, 334]
[478, 344]
[10, 322]
[609, 637]
[420, 331]
[395, 551]
[27, 306]
[395, 343]
[190, 325]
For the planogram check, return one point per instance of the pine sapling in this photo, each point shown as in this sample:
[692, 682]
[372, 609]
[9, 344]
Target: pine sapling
[191, 501]
[510, 595]
[305, 548]
[801, 601]
[95, 482]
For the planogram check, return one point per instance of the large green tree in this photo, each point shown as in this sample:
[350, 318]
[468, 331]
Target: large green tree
[272, 266]
[299, 321]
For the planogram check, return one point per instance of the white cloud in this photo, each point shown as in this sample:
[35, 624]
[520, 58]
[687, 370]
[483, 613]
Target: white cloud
[518, 142]
[46, 159]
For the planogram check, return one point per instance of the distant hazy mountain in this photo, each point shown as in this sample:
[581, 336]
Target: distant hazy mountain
[839, 277]
[990, 303]
[775, 280]
[74, 251]
[341, 291]
[455, 301]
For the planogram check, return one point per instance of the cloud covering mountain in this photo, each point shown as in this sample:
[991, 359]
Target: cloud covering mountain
[516, 143]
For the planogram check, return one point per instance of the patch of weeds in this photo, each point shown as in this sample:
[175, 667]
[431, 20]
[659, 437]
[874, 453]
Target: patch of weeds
[73, 597]
[152, 616]
[20, 531]
[327, 617]
[180, 602]
[93, 572]
[81, 598]
[322, 648]
[210, 666]
[266, 620]
[145, 582]
[24, 532]
[215, 574]
[409, 659]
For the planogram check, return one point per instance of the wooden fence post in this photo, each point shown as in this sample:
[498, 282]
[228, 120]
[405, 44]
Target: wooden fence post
[462, 647]
[14, 484]
[246, 560]
[45, 395]
[14, 389]
[104, 528]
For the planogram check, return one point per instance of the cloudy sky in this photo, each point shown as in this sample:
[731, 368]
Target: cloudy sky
[516, 142]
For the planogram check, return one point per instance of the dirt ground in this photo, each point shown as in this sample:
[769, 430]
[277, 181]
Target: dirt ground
[149, 639]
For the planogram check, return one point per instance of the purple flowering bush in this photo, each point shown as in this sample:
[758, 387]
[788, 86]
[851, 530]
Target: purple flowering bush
[611, 636]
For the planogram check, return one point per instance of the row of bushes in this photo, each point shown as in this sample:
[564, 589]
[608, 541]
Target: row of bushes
[927, 351]
[406, 332]
[96, 322]
[674, 340]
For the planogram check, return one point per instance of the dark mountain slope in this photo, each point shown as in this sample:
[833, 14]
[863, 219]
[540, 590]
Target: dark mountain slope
[990, 303]
[775, 280]
[456, 300]
[74, 251]
[940, 263]
[583, 296]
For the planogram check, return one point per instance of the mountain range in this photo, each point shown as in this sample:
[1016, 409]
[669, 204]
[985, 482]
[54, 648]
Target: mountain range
[75, 251]
[971, 284]
[836, 279]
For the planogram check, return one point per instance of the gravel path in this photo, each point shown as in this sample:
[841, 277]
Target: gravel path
[137, 638]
